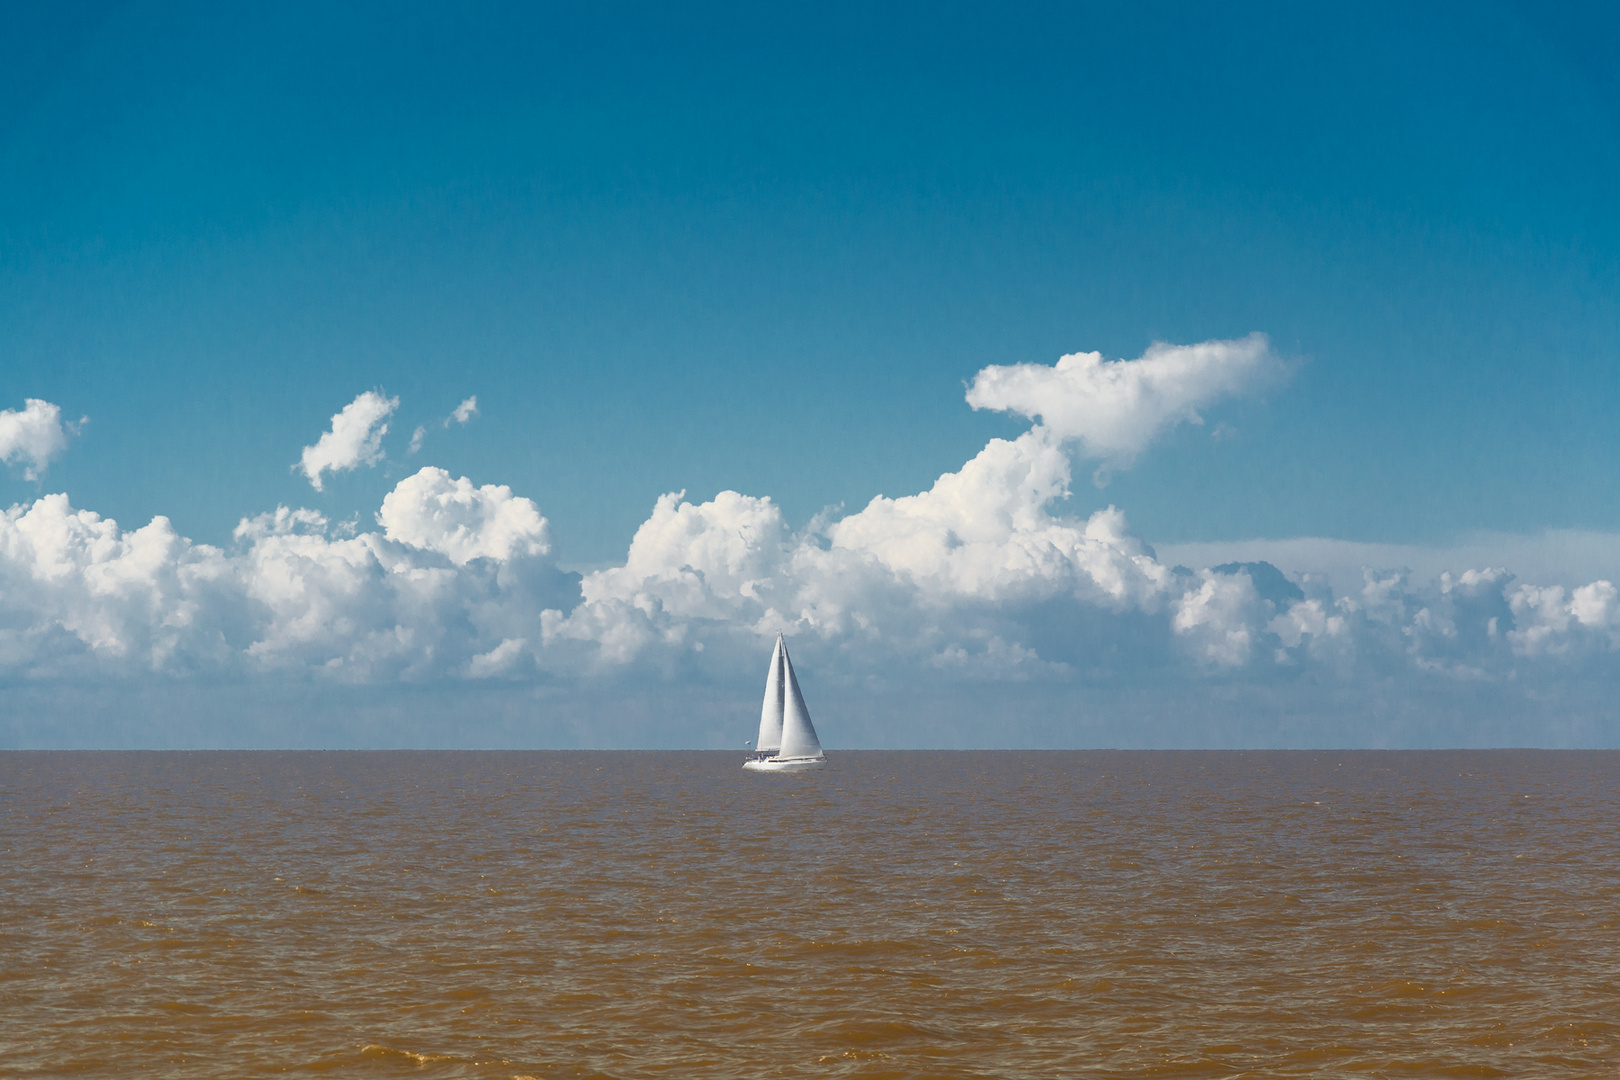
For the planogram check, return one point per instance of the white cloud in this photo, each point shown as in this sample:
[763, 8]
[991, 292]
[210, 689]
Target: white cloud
[461, 414]
[982, 577]
[1552, 621]
[1596, 606]
[719, 565]
[498, 661]
[1219, 618]
[986, 532]
[1115, 409]
[923, 576]
[83, 596]
[1305, 619]
[988, 576]
[355, 438]
[280, 522]
[34, 435]
[462, 522]
[74, 583]
[977, 578]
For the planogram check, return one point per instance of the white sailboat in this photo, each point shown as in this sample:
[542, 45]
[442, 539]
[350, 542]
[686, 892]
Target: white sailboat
[787, 738]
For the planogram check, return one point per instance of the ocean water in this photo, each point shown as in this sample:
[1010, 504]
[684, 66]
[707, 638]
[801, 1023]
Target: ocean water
[663, 914]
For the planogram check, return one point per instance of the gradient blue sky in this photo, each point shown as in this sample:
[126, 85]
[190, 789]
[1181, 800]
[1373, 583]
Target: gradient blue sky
[764, 248]
[708, 247]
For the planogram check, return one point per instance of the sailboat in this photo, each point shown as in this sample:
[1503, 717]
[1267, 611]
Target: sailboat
[787, 738]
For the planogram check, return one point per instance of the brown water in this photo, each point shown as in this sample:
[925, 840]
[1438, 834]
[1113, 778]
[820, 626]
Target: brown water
[896, 915]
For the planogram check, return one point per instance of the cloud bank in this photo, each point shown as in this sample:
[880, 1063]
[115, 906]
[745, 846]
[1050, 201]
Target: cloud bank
[984, 582]
[354, 440]
[456, 571]
[978, 577]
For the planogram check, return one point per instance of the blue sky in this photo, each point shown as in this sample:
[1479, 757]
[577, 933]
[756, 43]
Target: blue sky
[706, 248]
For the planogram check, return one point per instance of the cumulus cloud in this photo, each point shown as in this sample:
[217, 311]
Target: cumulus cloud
[978, 578]
[1115, 408]
[1219, 617]
[76, 585]
[452, 517]
[354, 440]
[1548, 621]
[987, 576]
[35, 435]
[467, 576]
[933, 577]
[987, 532]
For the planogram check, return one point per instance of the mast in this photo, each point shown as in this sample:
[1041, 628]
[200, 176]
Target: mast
[770, 713]
[798, 733]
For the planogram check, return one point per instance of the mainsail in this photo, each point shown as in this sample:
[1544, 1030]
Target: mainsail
[798, 733]
[770, 713]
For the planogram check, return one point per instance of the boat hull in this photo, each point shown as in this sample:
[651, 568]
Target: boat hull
[779, 764]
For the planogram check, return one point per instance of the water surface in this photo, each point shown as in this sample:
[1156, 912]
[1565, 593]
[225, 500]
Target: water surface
[439, 914]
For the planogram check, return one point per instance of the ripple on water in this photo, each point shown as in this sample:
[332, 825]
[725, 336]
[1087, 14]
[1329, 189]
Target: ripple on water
[898, 914]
